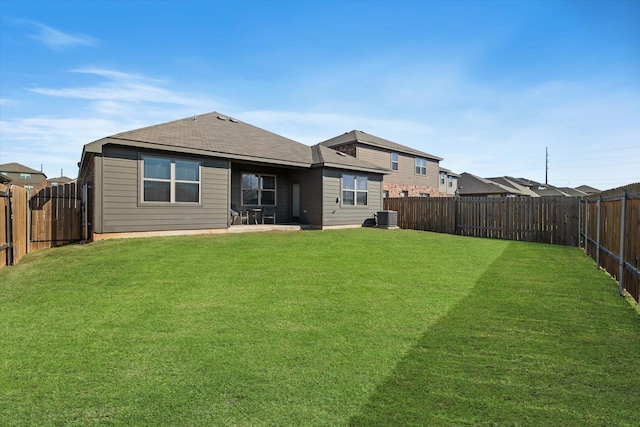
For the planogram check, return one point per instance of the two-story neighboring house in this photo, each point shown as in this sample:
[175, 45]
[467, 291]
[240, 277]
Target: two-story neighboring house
[414, 173]
[448, 182]
[23, 176]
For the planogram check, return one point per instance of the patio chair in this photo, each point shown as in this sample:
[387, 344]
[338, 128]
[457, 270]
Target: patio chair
[269, 212]
[244, 217]
[235, 216]
[238, 216]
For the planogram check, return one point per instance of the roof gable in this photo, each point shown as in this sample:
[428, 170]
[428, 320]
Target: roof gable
[217, 133]
[214, 134]
[587, 189]
[375, 141]
[17, 168]
[470, 184]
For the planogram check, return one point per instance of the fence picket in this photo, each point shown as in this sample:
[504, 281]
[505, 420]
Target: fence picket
[48, 218]
[544, 219]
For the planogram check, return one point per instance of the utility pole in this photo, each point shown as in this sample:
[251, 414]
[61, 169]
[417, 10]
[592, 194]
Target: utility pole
[546, 166]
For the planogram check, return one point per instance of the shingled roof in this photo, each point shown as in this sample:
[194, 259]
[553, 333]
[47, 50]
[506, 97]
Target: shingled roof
[215, 134]
[375, 141]
[472, 185]
[17, 168]
[327, 157]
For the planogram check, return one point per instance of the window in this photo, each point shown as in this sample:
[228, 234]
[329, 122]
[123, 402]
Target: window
[28, 187]
[258, 189]
[54, 184]
[421, 166]
[424, 195]
[442, 177]
[394, 161]
[24, 175]
[450, 181]
[385, 194]
[170, 181]
[404, 194]
[354, 190]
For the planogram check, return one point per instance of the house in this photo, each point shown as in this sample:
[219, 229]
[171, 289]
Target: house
[23, 176]
[588, 190]
[61, 180]
[470, 185]
[505, 186]
[184, 176]
[414, 173]
[448, 182]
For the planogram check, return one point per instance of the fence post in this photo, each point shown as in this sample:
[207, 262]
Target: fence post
[10, 253]
[623, 208]
[29, 222]
[455, 215]
[580, 221]
[505, 219]
[598, 234]
[586, 228]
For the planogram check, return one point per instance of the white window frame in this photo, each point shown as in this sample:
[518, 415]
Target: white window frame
[260, 190]
[25, 175]
[450, 181]
[443, 177]
[395, 162]
[171, 180]
[355, 190]
[421, 166]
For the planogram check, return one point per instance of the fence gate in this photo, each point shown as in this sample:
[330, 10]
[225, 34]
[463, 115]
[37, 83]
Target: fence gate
[5, 223]
[51, 217]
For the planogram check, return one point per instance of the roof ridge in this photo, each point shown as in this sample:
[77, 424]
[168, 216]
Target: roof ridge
[317, 148]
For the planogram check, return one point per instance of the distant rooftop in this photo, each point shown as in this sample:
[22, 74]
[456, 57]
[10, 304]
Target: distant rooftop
[375, 141]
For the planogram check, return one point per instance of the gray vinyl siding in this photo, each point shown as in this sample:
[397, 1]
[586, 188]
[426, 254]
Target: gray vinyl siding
[123, 211]
[334, 213]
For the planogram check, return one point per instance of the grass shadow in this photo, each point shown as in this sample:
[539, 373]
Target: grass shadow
[542, 339]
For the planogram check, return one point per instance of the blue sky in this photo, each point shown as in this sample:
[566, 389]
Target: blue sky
[486, 85]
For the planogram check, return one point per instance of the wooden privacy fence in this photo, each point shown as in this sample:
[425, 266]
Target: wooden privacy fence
[49, 218]
[610, 232]
[14, 239]
[541, 219]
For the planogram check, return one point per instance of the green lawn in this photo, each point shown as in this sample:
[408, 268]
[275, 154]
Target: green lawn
[335, 328]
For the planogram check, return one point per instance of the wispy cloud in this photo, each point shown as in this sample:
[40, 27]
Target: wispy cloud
[120, 93]
[117, 101]
[122, 88]
[55, 39]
